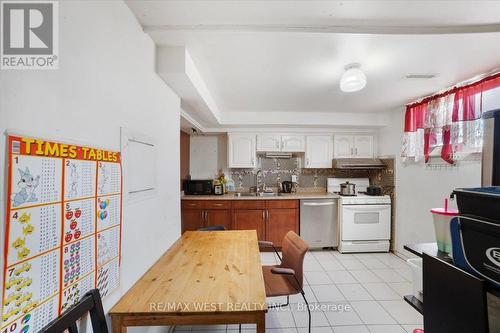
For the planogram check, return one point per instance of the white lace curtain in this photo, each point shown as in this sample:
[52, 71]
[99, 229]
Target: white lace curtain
[450, 122]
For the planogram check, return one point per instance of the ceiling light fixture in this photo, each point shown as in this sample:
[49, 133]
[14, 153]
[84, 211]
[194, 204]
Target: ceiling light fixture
[353, 78]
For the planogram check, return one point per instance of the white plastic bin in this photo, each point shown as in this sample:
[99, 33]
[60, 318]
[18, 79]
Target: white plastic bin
[416, 270]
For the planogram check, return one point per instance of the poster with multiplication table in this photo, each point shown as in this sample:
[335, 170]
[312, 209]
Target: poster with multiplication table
[62, 231]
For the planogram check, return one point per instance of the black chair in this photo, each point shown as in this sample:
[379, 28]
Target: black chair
[213, 228]
[90, 303]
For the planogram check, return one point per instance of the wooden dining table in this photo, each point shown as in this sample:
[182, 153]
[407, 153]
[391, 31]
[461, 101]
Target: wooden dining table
[205, 278]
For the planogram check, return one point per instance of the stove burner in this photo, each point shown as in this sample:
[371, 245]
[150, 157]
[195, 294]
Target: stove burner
[371, 195]
[346, 195]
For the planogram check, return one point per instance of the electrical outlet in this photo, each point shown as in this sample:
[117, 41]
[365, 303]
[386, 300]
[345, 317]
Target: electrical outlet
[294, 178]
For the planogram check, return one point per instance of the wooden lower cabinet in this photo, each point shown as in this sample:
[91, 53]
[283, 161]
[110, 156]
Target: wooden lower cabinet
[218, 217]
[197, 214]
[279, 222]
[272, 219]
[250, 219]
[192, 219]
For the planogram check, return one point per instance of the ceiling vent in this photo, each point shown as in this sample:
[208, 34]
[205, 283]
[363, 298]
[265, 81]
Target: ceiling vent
[420, 76]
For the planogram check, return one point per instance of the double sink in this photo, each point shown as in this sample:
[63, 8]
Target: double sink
[257, 194]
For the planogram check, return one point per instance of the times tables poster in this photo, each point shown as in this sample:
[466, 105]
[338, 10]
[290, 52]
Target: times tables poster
[62, 232]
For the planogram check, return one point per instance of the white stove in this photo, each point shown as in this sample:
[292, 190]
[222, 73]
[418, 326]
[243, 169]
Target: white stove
[365, 199]
[364, 220]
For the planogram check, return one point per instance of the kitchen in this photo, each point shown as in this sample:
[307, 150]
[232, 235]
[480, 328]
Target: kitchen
[257, 166]
[304, 170]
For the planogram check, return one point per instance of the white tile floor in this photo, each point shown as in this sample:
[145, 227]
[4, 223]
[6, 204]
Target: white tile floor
[352, 293]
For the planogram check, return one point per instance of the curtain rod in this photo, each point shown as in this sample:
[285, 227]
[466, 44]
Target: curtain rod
[478, 79]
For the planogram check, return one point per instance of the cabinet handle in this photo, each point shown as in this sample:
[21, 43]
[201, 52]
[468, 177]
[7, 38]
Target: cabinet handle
[356, 151]
[307, 161]
[218, 205]
[264, 215]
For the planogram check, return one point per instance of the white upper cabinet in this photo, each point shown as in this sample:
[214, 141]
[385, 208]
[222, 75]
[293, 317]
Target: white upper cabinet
[319, 151]
[268, 142]
[363, 146]
[292, 143]
[241, 150]
[353, 146]
[282, 143]
[343, 146]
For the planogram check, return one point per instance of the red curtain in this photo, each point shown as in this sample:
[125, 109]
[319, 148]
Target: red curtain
[415, 117]
[465, 108]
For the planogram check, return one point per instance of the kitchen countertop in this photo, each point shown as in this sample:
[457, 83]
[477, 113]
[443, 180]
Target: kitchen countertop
[231, 196]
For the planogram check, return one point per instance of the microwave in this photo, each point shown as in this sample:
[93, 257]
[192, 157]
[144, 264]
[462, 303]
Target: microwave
[198, 187]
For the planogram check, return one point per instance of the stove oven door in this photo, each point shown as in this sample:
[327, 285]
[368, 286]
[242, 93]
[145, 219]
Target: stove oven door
[366, 222]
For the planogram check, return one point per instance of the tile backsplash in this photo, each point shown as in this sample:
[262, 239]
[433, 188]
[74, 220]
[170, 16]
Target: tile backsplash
[276, 170]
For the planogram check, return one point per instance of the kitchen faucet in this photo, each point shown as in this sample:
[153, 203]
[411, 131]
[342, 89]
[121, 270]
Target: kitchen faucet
[257, 174]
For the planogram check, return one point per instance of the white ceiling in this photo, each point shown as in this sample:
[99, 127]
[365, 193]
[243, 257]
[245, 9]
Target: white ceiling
[265, 57]
[389, 12]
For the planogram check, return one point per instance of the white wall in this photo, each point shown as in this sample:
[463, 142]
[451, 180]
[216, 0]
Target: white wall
[418, 189]
[106, 80]
[208, 154]
[491, 99]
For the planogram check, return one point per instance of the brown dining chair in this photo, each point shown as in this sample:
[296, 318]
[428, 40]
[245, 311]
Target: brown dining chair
[287, 278]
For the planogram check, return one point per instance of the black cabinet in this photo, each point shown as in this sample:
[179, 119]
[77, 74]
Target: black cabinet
[455, 301]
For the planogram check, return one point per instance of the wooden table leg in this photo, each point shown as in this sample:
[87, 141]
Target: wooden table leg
[261, 323]
[117, 324]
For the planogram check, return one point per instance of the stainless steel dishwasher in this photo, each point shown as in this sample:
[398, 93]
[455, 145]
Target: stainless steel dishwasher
[319, 222]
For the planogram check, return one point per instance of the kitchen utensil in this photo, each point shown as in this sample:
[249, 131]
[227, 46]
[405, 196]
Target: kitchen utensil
[347, 188]
[374, 190]
[287, 186]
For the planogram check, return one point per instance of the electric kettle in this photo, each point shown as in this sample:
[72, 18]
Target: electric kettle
[287, 186]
